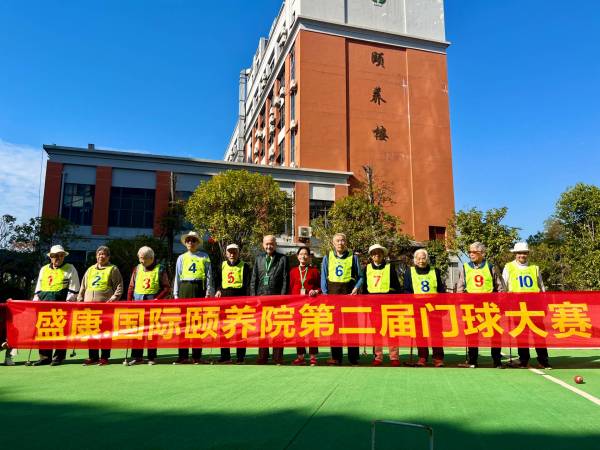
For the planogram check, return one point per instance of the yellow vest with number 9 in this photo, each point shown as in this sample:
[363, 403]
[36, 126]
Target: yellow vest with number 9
[378, 280]
[147, 282]
[339, 269]
[478, 281]
[98, 280]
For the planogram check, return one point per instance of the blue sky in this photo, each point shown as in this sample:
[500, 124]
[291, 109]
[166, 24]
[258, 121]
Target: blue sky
[161, 76]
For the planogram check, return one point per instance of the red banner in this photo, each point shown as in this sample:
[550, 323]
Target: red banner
[556, 319]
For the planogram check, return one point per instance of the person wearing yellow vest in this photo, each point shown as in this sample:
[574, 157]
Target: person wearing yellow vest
[479, 276]
[341, 273]
[520, 276]
[382, 278]
[193, 280]
[149, 281]
[102, 282]
[57, 282]
[234, 281]
[424, 279]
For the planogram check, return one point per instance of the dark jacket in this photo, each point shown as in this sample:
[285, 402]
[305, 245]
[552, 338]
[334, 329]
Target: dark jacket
[278, 276]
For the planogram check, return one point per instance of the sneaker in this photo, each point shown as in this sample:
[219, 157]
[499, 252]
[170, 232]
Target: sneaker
[313, 361]
[299, 361]
[377, 362]
[8, 361]
[179, 361]
[422, 362]
[151, 362]
[278, 362]
[468, 365]
[395, 363]
[333, 362]
[224, 361]
[353, 363]
[135, 362]
[42, 362]
[241, 361]
[103, 362]
[4, 345]
[90, 362]
[546, 366]
[56, 362]
[438, 363]
[261, 361]
[498, 365]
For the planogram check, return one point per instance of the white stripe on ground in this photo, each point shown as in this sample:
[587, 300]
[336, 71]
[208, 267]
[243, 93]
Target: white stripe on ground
[585, 395]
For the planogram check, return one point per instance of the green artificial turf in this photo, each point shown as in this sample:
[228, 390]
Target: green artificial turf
[271, 407]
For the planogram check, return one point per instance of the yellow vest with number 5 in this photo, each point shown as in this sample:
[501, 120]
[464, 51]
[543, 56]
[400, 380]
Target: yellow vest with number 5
[147, 282]
[339, 270]
[378, 280]
[53, 280]
[522, 279]
[232, 276]
[423, 284]
[98, 280]
[193, 267]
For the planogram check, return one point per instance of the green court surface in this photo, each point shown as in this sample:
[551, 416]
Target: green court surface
[285, 407]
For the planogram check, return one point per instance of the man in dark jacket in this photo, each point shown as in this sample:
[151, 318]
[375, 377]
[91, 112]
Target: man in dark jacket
[269, 277]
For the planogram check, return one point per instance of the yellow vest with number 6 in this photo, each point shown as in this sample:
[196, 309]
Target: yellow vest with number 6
[53, 280]
[98, 280]
[423, 284]
[522, 279]
[478, 281]
[147, 282]
[339, 270]
[232, 277]
[378, 280]
[193, 267]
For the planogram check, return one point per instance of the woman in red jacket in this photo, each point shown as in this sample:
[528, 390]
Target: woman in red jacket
[305, 280]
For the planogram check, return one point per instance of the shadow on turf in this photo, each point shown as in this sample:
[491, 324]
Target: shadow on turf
[72, 426]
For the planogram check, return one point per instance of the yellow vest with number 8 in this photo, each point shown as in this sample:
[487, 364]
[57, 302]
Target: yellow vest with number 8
[423, 284]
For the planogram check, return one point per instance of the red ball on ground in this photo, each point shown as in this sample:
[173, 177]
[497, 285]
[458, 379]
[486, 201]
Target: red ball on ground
[578, 379]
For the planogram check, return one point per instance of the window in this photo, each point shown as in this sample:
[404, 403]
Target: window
[437, 233]
[281, 156]
[292, 106]
[319, 208]
[282, 117]
[293, 64]
[184, 195]
[131, 207]
[293, 147]
[78, 203]
[281, 78]
[289, 216]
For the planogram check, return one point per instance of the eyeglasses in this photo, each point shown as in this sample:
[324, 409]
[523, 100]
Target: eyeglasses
[56, 256]
[473, 251]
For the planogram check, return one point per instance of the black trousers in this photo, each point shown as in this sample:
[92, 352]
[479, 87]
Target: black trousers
[184, 353]
[138, 353]
[337, 353]
[263, 354]
[95, 355]
[542, 356]
[191, 289]
[438, 352]
[474, 354]
[58, 354]
[311, 350]
[240, 354]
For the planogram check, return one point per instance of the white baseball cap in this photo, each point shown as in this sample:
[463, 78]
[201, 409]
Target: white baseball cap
[232, 246]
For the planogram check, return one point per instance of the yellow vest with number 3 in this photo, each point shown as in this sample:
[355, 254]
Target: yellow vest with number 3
[522, 279]
[147, 282]
[378, 280]
[98, 280]
[423, 284]
[478, 281]
[53, 280]
[339, 269]
[193, 267]
[232, 276]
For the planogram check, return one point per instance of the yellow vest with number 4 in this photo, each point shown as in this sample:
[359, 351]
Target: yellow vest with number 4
[522, 279]
[53, 280]
[479, 281]
[147, 282]
[339, 270]
[378, 280]
[232, 277]
[423, 284]
[98, 280]
[193, 267]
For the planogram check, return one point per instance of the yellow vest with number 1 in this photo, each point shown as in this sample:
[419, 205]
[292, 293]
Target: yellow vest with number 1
[339, 270]
[193, 267]
[522, 279]
[147, 282]
[232, 276]
[53, 280]
[378, 280]
[98, 280]
[479, 281]
[423, 284]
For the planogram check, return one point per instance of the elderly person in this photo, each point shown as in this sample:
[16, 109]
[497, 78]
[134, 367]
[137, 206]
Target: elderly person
[233, 281]
[57, 282]
[477, 277]
[305, 280]
[382, 278]
[193, 280]
[149, 281]
[102, 282]
[424, 279]
[269, 277]
[341, 273]
[520, 276]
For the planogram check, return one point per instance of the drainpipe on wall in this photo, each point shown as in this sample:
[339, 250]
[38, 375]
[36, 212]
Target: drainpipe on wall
[241, 141]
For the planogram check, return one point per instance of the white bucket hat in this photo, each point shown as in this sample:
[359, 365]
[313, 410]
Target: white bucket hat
[190, 234]
[57, 249]
[520, 247]
[374, 247]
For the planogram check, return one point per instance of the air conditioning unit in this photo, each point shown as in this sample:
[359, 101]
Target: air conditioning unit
[277, 102]
[282, 36]
[293, 86]
[272, 111]
[305, 232]
[271, 151]
[280, 102]
[256, 150]
[292, 164]
[282, 91]
[293, 124]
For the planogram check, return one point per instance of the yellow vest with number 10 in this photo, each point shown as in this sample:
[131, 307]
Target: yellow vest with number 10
[232, 276]
[522, 279]
[479, 281]
[98, 280]
[147, 282]
[53, 280]
[193, 267]
[339, 270]
[378, 280]
[423, 284]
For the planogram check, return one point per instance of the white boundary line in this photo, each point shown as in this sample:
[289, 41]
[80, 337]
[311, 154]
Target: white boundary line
[585, 395]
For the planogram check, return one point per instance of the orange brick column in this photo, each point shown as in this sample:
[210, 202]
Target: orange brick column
[161, 199]
[301, 207]
[341, 191]
[101, 200]
[52, 188]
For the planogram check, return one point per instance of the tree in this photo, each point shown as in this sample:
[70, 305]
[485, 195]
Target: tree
[238, 206]
[474, 225]
[172, 223]
[7, 227]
